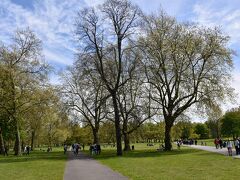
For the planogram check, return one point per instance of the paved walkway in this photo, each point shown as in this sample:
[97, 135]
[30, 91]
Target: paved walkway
[83, 167]
[213, 149]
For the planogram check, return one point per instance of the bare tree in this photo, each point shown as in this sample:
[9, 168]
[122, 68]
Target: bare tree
[103, 35]
[134, 102]
[186, 65]
[85, 96]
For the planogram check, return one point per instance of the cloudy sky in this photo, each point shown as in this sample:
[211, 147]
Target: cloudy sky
[52, 21]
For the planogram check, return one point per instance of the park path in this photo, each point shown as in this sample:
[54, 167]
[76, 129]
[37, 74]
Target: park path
[83, 167]
[213, 149]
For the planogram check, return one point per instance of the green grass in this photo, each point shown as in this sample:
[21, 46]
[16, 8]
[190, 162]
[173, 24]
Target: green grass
[38, 165]
[209, 142]
[181, 164]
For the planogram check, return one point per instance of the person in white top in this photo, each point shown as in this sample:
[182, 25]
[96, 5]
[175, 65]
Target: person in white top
[229, 147]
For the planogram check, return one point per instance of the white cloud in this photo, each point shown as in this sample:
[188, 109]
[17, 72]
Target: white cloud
[51, 20]
[225, 15]
[94, 2]
[216, 13]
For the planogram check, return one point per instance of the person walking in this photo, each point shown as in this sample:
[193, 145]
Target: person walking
[237, 144]
[77, 147]
[229, 147]
[28, 150]
[6, 151]
[220, 143]
[216, 142]
[65, 148]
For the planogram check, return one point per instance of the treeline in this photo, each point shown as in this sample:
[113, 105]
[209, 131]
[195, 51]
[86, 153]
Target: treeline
[30, 110]
[226, 126]
[131, 68]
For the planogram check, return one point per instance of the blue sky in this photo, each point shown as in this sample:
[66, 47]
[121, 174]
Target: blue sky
[52, 21]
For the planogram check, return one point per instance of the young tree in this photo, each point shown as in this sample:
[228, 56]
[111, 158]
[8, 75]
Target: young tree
[103, 34]
[186, 65]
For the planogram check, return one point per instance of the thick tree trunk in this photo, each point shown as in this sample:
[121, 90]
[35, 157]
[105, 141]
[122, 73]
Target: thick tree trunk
[32, 140]
[117, 125]
[2, 148]
[95, 136]
[126, 142]
[167, 140]
[17, 148]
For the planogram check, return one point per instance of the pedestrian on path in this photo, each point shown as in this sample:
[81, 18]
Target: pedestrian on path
[229, 147]
[220, 143]
[216, 142]
[237, 144]
[65, 148]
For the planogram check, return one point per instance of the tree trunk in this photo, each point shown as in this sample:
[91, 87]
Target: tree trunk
[126, 142]
[17, 148]
[95, 136]
[2, 148]
[167, 140]
[32, 140]
[117, 125]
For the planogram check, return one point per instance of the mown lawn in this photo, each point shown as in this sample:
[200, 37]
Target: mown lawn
[37, 166]
[182, 164]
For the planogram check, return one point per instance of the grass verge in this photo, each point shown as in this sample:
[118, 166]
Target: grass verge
[37, 166]
[181, 164]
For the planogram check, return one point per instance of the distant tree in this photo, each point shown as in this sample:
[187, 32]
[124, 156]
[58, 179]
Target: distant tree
[85, 96]
[214, 121]
[107, 132]
[231, 123]
[78, 134]
[183, 129]
[135, 105]
[201, 130]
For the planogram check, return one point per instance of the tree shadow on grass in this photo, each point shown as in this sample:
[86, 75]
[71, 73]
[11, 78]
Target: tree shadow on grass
[143, 153]
[34, 156]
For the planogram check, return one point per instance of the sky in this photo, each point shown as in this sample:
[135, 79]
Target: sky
[53, 22]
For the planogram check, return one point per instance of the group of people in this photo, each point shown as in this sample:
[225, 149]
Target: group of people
[75, 148]
[95, 149]
[219, 143]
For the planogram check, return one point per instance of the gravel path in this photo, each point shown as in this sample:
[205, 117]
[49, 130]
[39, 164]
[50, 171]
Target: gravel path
[213, 149]
[83, 167]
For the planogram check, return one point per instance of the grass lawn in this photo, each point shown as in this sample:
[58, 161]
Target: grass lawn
[38, 165]
[187, 163]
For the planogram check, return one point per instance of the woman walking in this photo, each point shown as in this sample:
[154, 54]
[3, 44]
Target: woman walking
[229, 147]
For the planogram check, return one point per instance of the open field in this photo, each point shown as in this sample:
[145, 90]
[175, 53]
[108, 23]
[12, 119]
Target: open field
[182, 164]
[144, 163]
[37, 166]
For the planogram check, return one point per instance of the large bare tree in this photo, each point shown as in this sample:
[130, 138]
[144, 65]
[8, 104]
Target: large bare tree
[103, 35]
[186, 65]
